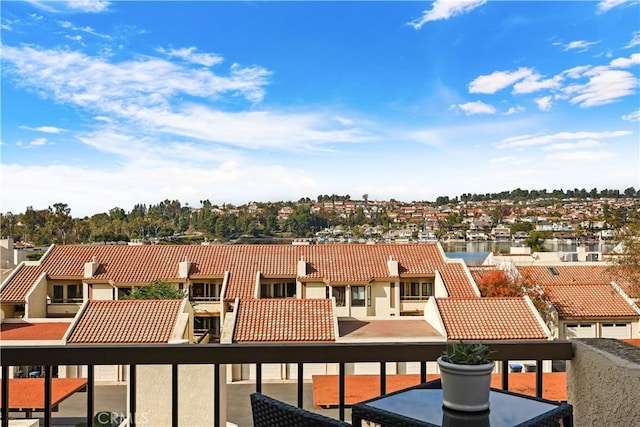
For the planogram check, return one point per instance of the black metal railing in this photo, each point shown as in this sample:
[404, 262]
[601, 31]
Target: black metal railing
[223, 354]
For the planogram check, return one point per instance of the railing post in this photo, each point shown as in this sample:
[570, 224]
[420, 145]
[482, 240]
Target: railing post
[538, 378]
[90, 395]
[47, 395]
[216, 397]
[383, 378]
[341, 391]
[132, 396]
[258, 378]
[423, 371]
[174, 395]
[300, 384]
[5, 396]
[505, 375]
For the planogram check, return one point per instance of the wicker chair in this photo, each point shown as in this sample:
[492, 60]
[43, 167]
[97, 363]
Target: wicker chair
[268, 412]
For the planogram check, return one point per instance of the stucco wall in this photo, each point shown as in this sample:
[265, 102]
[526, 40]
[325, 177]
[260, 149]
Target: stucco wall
[100, 291]
[603, 383]
[315, 290]
[36, 306]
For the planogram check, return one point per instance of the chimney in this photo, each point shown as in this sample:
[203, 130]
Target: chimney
[392, 265]
[302, 267]
[90, 268]
[183, 269]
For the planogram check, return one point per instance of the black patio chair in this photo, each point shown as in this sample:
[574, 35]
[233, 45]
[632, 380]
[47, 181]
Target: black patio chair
[269, 412]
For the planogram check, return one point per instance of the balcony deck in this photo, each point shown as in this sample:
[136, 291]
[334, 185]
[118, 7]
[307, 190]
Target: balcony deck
[217, 355]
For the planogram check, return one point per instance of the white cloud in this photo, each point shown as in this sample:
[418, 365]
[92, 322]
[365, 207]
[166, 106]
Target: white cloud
[535, 83]
[577, 72]
[581, 156]
[514, 110]
[344, 121]
[604, 88]
[38, 141]
[44, 129]
[533, 140]
[634, 59]
[94, 82]
[635, 40]
[445, 9]
[189, 54]
[498, 80]
[581, 45]
[544, 103]
[632, 117]
[477, 107]
[87, 6]
[563, 146]
[606, 5]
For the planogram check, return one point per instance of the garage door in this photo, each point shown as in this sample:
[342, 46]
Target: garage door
[616, 330]
[106, 372]
[579, 330]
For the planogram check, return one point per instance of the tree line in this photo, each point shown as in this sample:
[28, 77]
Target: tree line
[55, 224]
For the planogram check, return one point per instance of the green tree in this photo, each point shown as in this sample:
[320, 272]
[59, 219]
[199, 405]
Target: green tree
[157, 289]
[536, 240]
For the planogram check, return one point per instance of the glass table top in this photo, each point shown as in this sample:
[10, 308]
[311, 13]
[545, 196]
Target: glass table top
[426, 405]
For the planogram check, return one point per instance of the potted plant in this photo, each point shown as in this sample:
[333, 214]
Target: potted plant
[466, 369]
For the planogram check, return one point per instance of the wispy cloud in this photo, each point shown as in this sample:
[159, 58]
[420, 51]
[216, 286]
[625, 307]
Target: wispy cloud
[445, 9]
[604, 88]
[33, 143]
[582, 156]
[189, 54]
[579, 45]
[498, 80]
[477, 107]
[44, 129]
[595, 85]
[632, 117]
[606, 5]
[544, 103]
[563, 146]
[635, 40]
[83, 6]
[514, 110]
[560, 137]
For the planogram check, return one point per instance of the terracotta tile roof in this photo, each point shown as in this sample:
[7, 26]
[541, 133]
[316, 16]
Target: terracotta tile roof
[567, 274]
[126, 321]
[284, 320]
[33, 331]
[28, 393]
[131, 265]
[489, 319]
[581, 300]
[16, 290]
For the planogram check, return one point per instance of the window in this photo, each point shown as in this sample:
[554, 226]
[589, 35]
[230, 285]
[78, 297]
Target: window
[74, 292]
[416, 290]
[358, 296]
[278, 290]
[339, 295]
[58, 293]
[554, 271]
[206, 291]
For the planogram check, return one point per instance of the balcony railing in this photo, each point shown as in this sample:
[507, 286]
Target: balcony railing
[223, 354]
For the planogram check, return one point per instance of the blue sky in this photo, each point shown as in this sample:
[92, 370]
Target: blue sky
[108, 104]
